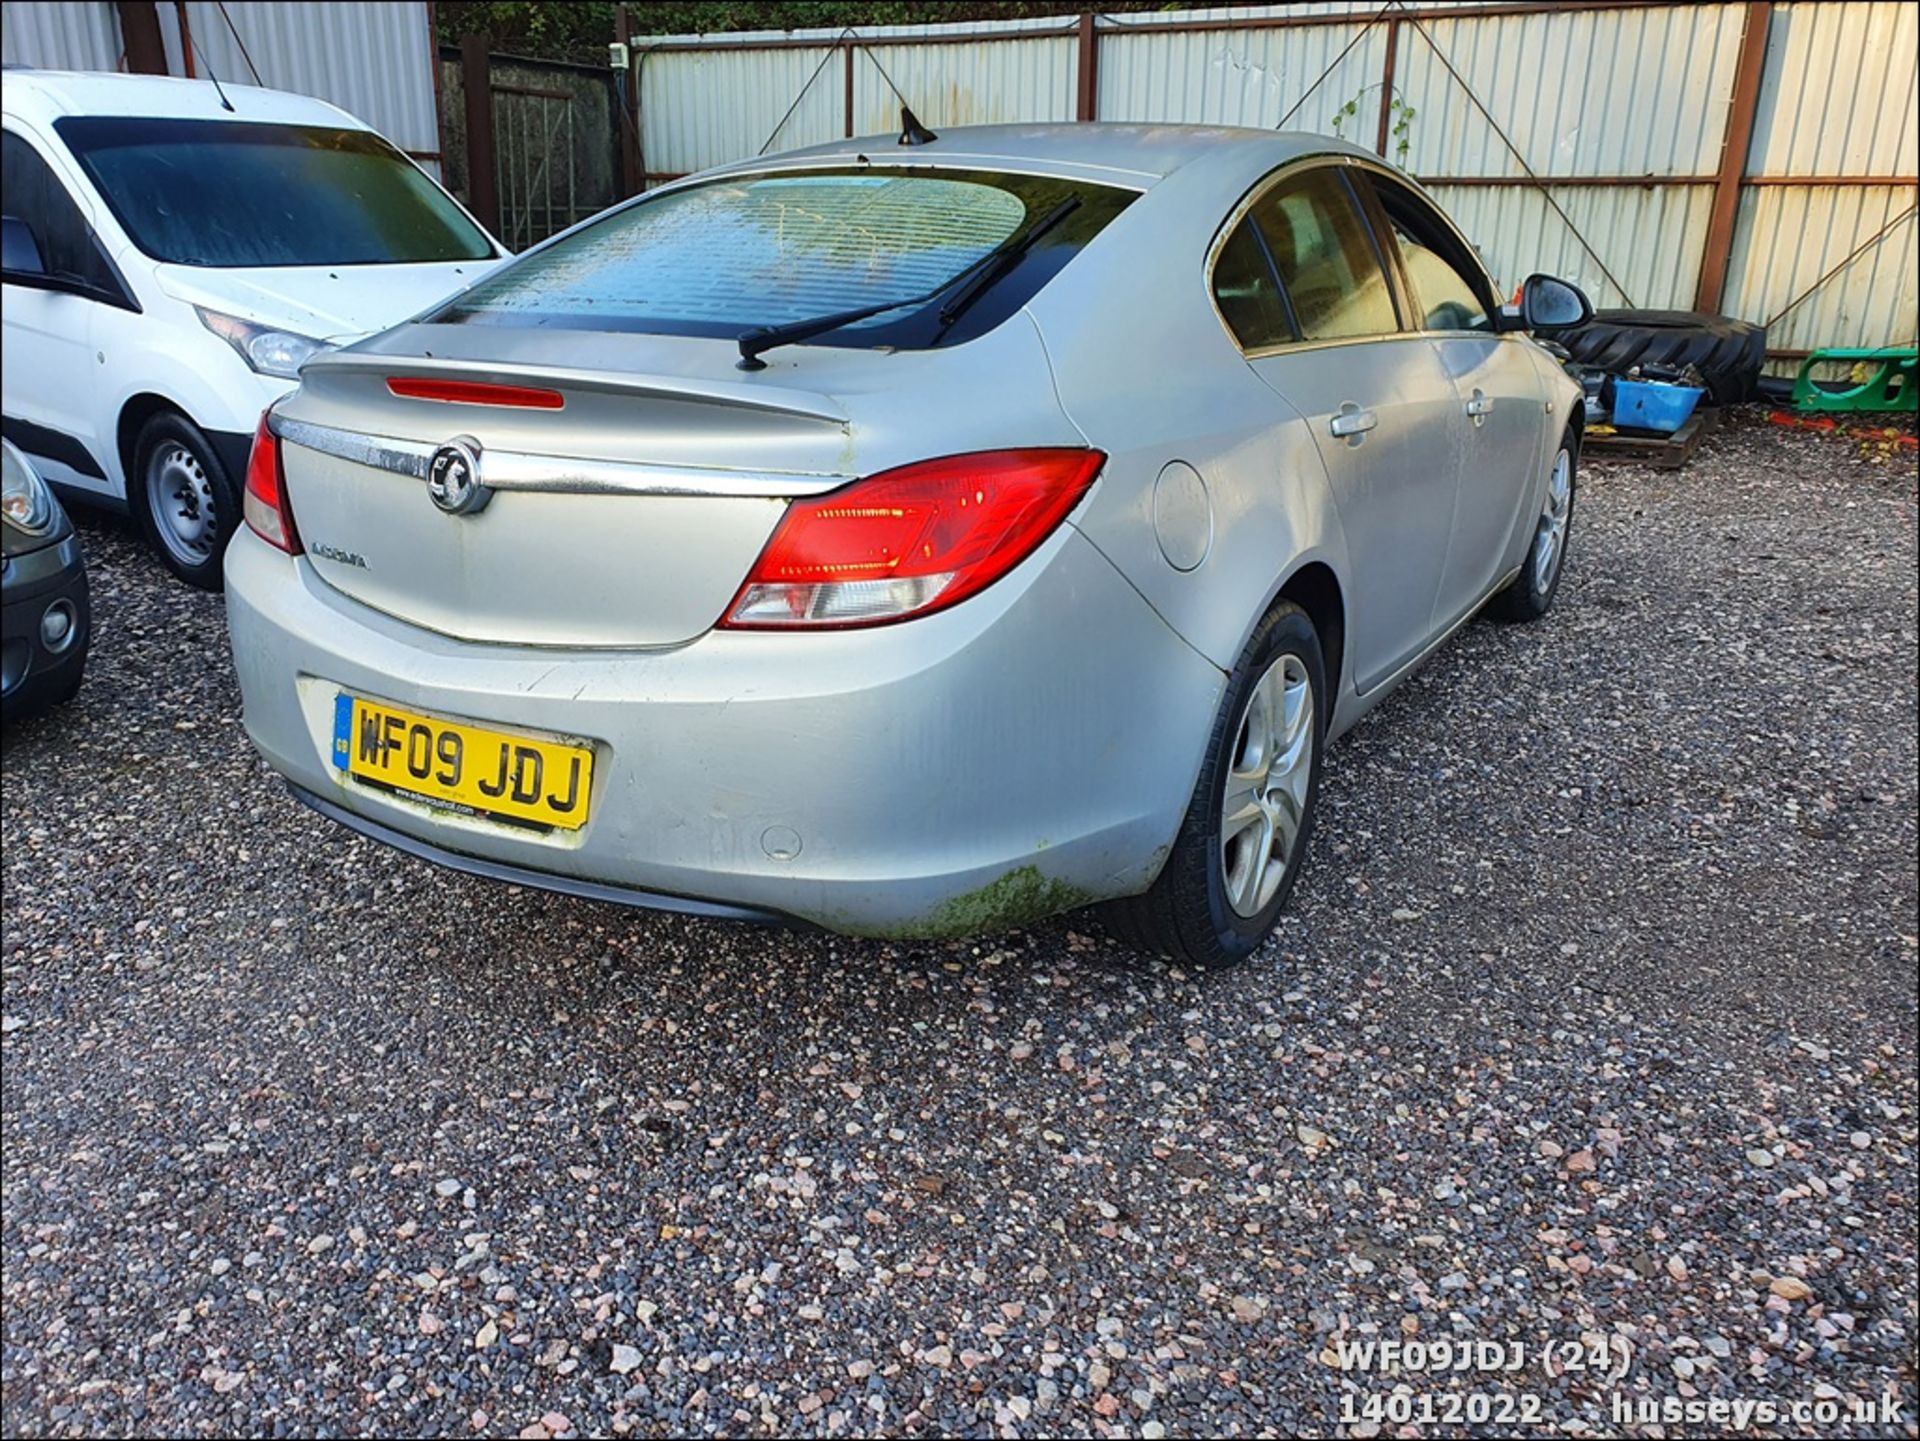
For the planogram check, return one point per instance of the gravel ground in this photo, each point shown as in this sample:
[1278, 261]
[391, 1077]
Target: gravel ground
[1594, 1015]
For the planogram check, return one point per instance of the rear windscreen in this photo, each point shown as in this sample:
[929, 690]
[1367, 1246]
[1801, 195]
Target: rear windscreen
[732, 255]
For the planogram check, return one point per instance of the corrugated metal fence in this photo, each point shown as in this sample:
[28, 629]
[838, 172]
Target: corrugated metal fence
[64, 36]
[375, 59]
[1724, 156]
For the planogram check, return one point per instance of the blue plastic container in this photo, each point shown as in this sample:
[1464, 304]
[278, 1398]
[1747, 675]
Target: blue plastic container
[1645, 405]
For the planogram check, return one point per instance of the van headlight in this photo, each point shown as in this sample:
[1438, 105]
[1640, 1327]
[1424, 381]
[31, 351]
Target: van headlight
[269, 351]
[28, 504]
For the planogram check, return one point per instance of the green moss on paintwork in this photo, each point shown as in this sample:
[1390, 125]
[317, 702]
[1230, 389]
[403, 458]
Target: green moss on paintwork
[1019, 897]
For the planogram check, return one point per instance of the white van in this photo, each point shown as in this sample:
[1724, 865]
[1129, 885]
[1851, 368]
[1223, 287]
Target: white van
[172, 255]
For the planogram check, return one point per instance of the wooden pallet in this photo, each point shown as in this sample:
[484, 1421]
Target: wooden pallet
[1662, 452]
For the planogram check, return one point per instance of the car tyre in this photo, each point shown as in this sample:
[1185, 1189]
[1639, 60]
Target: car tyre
[1529, 595]
[182, 498]
[1219, 894]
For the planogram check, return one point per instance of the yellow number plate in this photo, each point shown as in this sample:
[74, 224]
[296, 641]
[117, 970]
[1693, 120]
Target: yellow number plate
[463, 768]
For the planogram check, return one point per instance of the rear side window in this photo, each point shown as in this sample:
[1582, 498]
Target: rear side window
[735, 254]
[1326, 258]
[1244, 289]
[1438, 271]
[30, 191]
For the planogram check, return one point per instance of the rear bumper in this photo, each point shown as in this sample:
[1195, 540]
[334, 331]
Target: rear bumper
[1026, 752]
[520, 875]
[32, 673]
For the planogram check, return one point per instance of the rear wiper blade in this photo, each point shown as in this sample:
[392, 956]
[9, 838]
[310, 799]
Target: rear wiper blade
[766, 337]
[1003, 261]
[973, 281]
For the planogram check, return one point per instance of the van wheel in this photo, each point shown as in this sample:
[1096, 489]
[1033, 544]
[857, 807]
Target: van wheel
[183, 499]
[1246, 830]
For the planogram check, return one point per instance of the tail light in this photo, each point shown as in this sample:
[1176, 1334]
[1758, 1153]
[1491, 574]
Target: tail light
[266, 505]
[911, 541]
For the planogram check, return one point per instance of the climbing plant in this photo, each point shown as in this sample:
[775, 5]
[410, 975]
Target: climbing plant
[1399, 128]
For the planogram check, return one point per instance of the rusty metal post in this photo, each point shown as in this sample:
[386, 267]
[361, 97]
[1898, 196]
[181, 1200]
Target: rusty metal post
[1386, 88]
[1089, 93]
[145, 51]
[1712, 285]
[186, 38]
[629, 106]
[483, 180]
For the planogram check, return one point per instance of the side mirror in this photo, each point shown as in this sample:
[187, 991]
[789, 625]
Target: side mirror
[1550, 304]
[19, 250]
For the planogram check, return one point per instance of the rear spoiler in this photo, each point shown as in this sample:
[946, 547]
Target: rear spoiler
[744, 395]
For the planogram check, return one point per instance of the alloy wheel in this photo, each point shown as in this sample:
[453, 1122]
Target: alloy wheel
[1264, 800]
[1550, 540]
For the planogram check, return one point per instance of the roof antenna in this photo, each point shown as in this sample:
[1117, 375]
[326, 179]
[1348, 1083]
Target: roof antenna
[218, 89]
[912, 132]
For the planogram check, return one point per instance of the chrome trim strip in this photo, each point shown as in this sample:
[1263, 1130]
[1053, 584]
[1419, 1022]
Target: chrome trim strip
[402, 457]
[512, 470]
[555, 474]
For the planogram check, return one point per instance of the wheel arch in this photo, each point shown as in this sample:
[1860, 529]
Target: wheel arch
[1315, 588]
[135, 412]
[229, 447]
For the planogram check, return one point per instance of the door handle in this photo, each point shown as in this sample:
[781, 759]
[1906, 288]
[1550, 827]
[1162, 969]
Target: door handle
[1352, 423]
[1480, 407]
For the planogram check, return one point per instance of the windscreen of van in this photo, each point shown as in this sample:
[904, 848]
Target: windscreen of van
[228, 193]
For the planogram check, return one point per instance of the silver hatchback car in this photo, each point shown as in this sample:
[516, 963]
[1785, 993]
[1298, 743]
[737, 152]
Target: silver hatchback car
[911, 541]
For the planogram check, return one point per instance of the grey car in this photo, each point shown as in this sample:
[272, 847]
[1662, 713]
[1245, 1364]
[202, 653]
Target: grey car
[914, 540]
[45, 620]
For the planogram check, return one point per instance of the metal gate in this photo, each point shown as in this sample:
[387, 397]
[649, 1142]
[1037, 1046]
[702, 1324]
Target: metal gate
[535, 147]
[532, 146]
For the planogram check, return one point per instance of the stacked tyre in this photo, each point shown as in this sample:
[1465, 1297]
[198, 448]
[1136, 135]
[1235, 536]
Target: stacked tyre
[1728, 353]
